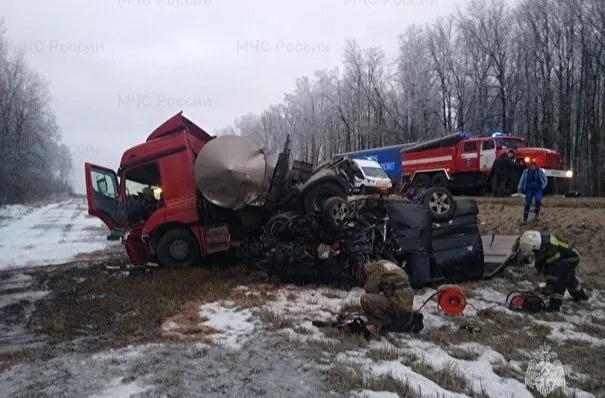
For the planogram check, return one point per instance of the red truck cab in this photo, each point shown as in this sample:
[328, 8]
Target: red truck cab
[462, 161]
[153, 184]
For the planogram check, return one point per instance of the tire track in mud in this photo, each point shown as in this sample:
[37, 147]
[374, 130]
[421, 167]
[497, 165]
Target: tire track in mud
[77, 210]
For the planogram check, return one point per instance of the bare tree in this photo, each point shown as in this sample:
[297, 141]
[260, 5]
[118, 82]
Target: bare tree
[536, 70]
[34, 162]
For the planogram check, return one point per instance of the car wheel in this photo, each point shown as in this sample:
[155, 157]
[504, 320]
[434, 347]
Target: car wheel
[315, 198]
[336, 211]
[178, 248]
[440, 203]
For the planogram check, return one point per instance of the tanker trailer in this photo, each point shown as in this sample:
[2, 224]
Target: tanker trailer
[234, 173]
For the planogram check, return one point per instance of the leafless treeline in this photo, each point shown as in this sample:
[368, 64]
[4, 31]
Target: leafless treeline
[33, 162]
[537, 70]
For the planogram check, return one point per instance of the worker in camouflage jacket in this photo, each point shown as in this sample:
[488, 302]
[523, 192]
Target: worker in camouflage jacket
[558, 261]
[388, 294]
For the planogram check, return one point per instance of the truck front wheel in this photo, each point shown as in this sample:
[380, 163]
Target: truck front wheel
[316, 197]
[177, 248]
[439, 180]
[421, 181]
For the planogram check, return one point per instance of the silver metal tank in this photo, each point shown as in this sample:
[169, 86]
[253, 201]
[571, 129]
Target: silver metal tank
[232, 172]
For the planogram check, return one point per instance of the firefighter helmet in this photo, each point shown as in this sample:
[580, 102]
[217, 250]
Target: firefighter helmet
[530, 241]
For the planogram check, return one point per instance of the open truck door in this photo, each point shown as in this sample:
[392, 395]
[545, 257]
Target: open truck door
[102, 194]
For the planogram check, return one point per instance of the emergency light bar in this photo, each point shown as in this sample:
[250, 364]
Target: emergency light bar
[500, 134]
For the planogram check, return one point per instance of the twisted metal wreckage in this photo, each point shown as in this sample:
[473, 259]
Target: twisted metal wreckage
[329, 234]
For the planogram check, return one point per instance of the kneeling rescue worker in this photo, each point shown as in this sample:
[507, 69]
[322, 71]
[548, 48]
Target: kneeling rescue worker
[558, 261]
[389, 296]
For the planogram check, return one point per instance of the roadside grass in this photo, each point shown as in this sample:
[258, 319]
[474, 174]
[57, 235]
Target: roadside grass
[344, 378]
[449, 377]
[510, 335]
[517, 336]
[112, 309]
[274, 320]
[337, 341]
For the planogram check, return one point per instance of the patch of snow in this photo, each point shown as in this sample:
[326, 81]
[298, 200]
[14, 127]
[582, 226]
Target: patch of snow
[16, 281]
[234, 325]
[10, 212]
[118, 388]
[50, 234]
[424, 386]
[374, 394]
[10, 299]
[478, 372]
[312, 304]
[128, 352]
[304, 305]
[562, 331]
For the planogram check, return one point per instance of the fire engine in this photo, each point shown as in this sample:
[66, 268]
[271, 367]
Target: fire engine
[462, 162]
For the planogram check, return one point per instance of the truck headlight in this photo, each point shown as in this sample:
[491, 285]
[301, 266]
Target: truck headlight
[569, 174]
[527, 160]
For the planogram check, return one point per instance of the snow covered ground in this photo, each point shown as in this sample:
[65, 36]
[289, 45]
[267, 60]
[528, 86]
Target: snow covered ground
[48, 234]
[241, 346]
[423, 365]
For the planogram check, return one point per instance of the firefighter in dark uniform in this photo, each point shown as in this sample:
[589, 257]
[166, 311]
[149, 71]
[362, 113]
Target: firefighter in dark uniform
[388, 294]
[558, 261]
[501, 170]
[514, 174]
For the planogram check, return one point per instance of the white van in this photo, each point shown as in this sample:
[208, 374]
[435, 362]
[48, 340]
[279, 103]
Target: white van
[375, 179]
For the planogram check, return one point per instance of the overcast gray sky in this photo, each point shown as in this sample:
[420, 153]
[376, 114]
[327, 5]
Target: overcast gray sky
[119, 68]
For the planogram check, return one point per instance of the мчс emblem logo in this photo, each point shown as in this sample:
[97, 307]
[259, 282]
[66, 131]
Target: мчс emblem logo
[544, 372]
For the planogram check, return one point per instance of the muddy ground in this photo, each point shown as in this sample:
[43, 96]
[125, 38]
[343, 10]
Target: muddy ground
[54, 320]
[580, 221]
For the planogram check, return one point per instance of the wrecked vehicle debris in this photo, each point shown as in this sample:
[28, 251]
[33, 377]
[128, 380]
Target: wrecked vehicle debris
[183, 195]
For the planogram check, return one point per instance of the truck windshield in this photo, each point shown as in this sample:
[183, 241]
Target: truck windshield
[510, 143]
[374, 172]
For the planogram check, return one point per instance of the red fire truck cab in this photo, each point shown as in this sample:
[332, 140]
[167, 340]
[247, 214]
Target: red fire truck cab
[462, 162]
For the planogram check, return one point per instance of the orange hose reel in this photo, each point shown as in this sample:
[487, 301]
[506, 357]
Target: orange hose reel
[451, 300]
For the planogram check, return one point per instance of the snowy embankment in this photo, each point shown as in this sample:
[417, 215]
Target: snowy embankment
[483, 358]
[48, 234]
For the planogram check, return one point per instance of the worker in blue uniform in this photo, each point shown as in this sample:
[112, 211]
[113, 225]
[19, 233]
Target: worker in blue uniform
[532, 184]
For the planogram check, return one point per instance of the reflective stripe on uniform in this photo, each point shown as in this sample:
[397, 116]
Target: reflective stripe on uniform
[556, 296]
[556, 242]
[554, 257]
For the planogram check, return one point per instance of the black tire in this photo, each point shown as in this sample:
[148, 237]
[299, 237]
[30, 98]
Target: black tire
[336, 211]
[439, 180]
[278, 226]
[422, 181]
[440, 203]
[315, 198]
[178, 248]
